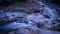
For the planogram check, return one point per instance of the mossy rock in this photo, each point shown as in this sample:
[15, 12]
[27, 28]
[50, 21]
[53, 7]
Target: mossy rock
[58, 25]
[54, 29]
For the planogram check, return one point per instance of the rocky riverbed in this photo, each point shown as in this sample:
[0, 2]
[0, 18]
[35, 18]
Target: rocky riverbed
[44, 20]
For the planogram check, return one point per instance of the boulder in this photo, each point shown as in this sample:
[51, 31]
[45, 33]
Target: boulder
[29, 30]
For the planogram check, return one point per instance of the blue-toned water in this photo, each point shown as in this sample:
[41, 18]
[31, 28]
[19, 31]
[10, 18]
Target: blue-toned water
[35, 17]
[32, 19]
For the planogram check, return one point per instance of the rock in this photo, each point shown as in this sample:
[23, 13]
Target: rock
[30, 6]
[55, 28]
[2, 14]
[7, 21]
[57, 25]
[40, 25]
[4, 19]
[46, 16]
[29, 30]
[46, 13]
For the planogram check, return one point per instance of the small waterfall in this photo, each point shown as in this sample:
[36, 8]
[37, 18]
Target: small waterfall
[36, 17]
[49, 10]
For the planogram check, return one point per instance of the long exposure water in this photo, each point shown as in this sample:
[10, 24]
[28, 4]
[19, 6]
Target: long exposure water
[36, 17]
[48, 15]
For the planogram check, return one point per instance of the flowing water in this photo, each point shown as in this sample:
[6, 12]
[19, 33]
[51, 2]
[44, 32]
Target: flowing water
[35, 18]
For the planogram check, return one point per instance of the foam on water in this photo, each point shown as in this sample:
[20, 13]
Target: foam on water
[34, 17]
[50, 10]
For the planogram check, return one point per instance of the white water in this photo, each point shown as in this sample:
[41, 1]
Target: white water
[35, 18]
[50, 11]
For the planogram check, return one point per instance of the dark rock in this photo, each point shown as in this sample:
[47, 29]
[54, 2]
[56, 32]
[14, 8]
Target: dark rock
[46, 16]
[29, 30]
[6, 20]
[40, 25]
[55, 28]
[58, 25]
[58, 11]
[36, 11]
[57, 20]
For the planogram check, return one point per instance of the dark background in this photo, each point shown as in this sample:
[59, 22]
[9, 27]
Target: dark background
[57, 2]
[8, 2]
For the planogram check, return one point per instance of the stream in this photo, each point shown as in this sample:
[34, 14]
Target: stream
[48, 15]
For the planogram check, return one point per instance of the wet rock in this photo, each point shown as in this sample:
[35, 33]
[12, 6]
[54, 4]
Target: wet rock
[29, 7]
[4, 19]
[40, 25]
[7, 21]
[58, 26]
[2, 14]
[55, 28]
[29, 30]
[46, 16]
[46, 13]
[58, 11]
[39, 10]
[56, 21]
